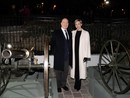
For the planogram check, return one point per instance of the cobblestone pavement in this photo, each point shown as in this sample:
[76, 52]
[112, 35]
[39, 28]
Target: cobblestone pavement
[72, 93]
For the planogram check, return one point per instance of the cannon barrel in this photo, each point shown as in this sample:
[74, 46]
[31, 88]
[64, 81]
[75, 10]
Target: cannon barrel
[21, 54]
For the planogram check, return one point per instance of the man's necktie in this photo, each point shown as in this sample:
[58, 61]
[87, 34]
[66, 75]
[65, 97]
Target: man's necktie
[67, 38]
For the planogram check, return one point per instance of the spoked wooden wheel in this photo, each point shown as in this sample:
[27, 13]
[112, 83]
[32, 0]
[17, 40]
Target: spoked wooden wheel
[114, 67]
[4, 79]
[4, 75]
[46, 67]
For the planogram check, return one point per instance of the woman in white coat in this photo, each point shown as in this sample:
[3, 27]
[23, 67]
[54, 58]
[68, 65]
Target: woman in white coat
[80, 53]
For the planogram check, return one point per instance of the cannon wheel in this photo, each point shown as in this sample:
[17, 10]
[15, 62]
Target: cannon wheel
[4, 78]
[46, 69]
[114, 67]
[4, 75]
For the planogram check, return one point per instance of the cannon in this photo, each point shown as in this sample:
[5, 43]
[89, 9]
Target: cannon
[114, 66]
[21, 54]
[9, 56]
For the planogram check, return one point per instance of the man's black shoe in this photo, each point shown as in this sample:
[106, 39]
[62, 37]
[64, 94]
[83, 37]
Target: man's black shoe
[65, 88]
[59, 89]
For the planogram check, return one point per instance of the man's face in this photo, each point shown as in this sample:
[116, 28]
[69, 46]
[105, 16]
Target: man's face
[64, 23]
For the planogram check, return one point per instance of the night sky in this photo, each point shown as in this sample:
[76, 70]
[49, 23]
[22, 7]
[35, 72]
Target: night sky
[90, 8]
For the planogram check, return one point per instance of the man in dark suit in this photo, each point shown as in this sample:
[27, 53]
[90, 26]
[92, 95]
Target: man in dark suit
[61, 44]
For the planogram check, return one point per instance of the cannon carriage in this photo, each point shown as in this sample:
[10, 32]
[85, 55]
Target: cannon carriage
[10, 65]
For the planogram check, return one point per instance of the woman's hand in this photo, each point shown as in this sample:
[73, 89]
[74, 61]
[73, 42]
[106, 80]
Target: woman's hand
[85, 59]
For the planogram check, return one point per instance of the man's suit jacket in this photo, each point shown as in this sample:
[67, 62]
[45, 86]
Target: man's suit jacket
[58, 48]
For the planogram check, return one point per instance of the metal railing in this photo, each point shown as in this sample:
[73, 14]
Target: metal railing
[28, 32]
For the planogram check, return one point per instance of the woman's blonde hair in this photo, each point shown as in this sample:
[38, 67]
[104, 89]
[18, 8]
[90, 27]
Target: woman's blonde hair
[78, 20]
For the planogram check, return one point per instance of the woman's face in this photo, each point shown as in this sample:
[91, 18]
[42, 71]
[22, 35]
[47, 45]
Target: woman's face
[78, 25]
